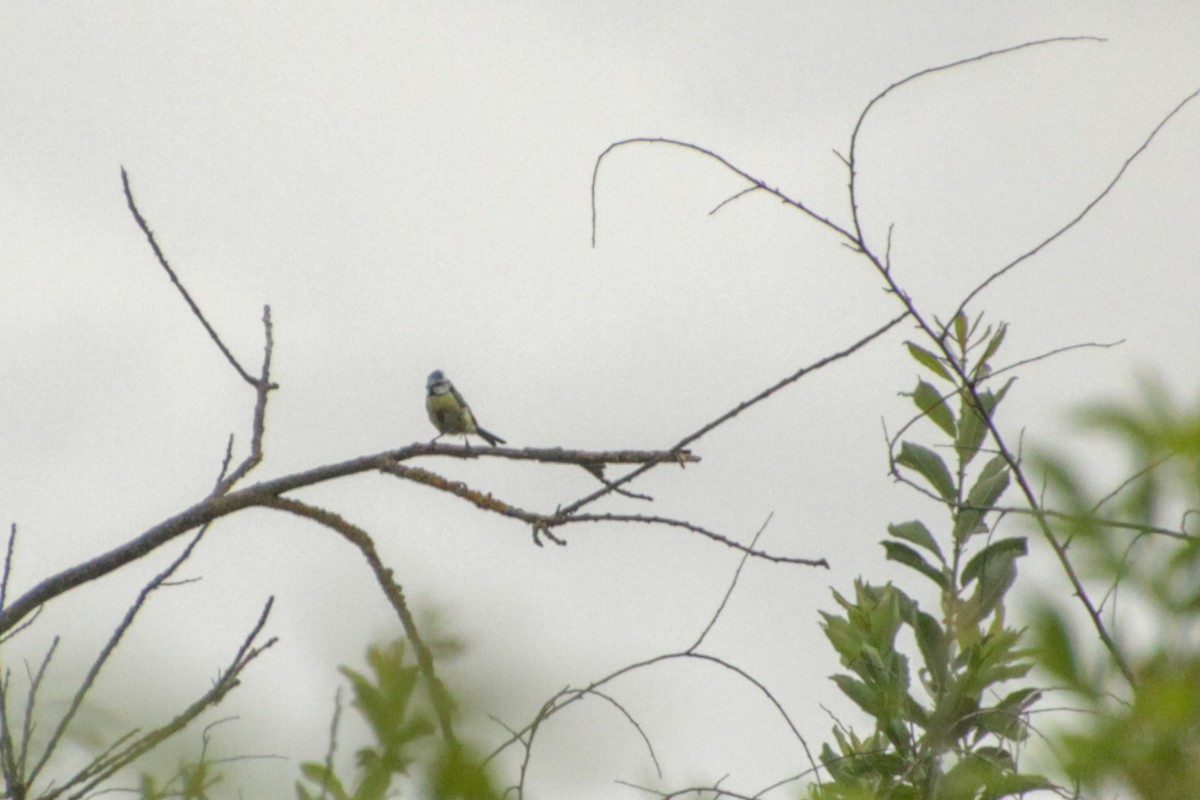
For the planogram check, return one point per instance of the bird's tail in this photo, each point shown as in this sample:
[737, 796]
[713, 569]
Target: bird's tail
[489, 437]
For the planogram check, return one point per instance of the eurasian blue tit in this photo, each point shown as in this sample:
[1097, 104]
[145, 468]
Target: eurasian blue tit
[449, 412]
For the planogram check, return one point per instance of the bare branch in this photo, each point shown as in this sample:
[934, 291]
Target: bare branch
[8, 559]
[737, 573]
[556, 455]
[728, 415]
[108, 649]
[1141, 529]
[438, 693]
[597, 471]
[757, 183]
[1086, 209]
[636, 726]
[104, 768]
[333, 734]
[262, 494]
[13, 785]
[35, 684]
[747, 550]
[852, 161]
[262, 387]
[728, 200]
[1052, 353]
[162, 259]
[568, 696]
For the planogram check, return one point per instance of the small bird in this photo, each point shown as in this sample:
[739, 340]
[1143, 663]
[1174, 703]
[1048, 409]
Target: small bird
[449, 412]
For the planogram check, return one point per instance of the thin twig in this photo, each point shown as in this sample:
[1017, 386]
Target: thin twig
[1086, 209]
[8, 560]
[1120, 487]
[571, 696]
[739, 408]
[636, 726]
[108, 649]
[35, 684]
[757, 183]
[737, 573]
[727, 200]
[14, 786]
[333, 733]
[748, 551]
[1085, 519]
[262, 388]
[162, 260]
[852, 160]
[1049, 354]
[103, 769]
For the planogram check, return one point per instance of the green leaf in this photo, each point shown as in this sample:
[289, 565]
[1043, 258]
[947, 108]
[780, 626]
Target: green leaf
[990, 484]
[995, 579]
[931, 640]
[459, 773]
[934, 406]
[997, 756]
[862, 695]
[972, 423]
[845, 638]
[911, 558]
[960, 330]
[930, 466]
[1006, 718]
[1056, 651]
[993, 659]
[319, 774]
[915, 531]
[1016, 785]
[992, 346]
[971, 430]
[998, 552]
[928, 360]
[882, 609]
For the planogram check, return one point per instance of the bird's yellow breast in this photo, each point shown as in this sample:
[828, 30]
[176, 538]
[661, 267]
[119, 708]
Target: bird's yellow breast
[447, 415]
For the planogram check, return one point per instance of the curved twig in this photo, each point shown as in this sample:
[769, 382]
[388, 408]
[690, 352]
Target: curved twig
[162, 260]
[1086, 209]
[852, 159]
[757, 182]
[737, 573]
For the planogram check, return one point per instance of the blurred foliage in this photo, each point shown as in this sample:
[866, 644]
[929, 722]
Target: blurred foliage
[398, 726]
[191, 782]
[404, 744]
[385, 702]
[1139, 545]
[957, 738]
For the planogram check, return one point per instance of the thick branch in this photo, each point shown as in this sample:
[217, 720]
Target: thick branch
[262, 494]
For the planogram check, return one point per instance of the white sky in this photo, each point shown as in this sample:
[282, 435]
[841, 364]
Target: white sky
[407, 185]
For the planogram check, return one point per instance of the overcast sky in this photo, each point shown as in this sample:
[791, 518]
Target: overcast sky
[408, 186]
